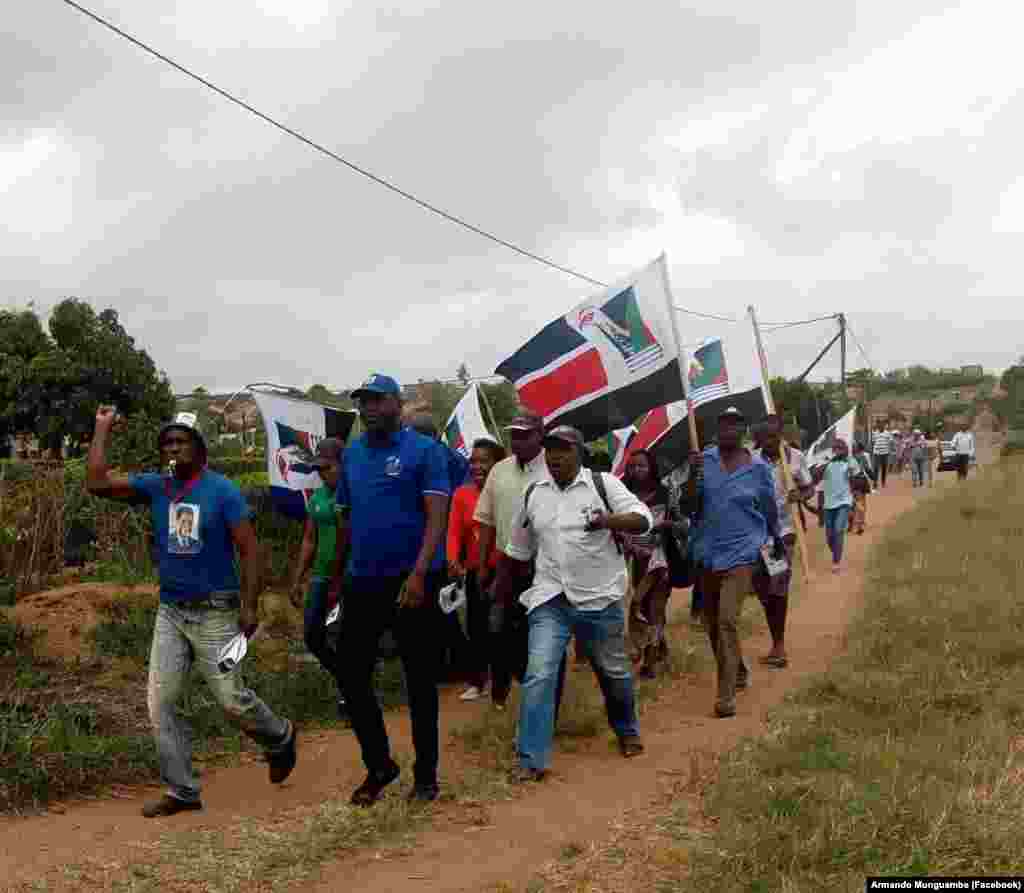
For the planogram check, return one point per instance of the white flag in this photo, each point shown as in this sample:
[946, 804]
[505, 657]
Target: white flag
[466, 424]
[821, 450]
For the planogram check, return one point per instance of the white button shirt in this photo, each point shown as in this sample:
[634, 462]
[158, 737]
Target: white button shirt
[586, 566]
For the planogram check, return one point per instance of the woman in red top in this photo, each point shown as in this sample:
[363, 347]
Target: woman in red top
[463, 556]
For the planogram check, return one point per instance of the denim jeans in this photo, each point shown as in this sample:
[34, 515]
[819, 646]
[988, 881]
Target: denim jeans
[313, 630]
[836, 522]
[184, 636]
[602, 637]
[917, 471]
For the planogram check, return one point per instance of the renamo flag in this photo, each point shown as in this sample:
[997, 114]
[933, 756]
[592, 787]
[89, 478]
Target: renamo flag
[723, 371]
[606, 362]
[466, 424]
[655, 425]
[294, 428]
[618, 445]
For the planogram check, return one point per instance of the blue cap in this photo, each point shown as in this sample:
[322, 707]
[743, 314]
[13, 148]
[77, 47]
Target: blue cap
[378, 384]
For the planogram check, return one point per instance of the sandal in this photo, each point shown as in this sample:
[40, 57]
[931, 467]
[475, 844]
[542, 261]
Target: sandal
[773, 660]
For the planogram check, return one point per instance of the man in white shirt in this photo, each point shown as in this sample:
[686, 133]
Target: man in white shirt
[881, 448]
[963, 446]
[496, 512]
[568, 525]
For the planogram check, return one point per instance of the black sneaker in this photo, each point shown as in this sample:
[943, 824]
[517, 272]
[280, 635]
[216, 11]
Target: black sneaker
[168, 805]
[369, 792]
[282, 763]
[424, 792]
[522, 775]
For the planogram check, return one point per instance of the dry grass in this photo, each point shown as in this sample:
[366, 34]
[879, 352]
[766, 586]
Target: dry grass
[906, 758]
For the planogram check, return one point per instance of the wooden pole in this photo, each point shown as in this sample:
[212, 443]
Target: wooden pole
[787, 476]
[681, 355]
[490, 411]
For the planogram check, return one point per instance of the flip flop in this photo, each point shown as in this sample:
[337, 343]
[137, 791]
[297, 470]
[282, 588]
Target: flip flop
[770, 660]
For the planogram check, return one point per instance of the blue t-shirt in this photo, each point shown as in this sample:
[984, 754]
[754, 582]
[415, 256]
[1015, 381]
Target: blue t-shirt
[383, 485]
[458, 467]
[195, 551]
[738, 512]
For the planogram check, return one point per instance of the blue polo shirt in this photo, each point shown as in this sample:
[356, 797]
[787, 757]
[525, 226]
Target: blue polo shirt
[458, 467]
[738, 512]
[194, 548]
[382, 485]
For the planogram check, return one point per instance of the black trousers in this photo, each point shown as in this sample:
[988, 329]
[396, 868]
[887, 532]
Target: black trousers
[478, 609]
[371, 607]
[510, 651]
[881, 469]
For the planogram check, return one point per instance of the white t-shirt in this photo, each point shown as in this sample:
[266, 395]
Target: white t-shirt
[801, 475]
[963, 443]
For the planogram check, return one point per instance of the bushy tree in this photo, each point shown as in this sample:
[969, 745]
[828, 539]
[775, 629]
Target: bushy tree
[52, 384]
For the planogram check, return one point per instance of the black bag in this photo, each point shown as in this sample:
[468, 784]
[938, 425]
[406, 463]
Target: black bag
[680, 565]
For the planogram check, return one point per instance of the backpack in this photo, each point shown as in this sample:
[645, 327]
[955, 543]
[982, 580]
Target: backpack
[598, 478]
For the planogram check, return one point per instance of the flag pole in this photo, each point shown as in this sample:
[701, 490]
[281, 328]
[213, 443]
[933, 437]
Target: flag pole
[787, 477]
[680, 354]
[490, 412]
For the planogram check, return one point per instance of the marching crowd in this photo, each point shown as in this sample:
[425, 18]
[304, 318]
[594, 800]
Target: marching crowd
[547, 547]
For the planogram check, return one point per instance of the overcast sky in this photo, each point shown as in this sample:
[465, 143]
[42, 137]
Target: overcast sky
[808, 157]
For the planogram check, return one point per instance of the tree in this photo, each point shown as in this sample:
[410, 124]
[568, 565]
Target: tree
[52, 385]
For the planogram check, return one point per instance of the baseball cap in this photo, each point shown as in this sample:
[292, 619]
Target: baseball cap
[378, 384]
[564, 434]
[732, 413]
[525, 421]
[328, 450]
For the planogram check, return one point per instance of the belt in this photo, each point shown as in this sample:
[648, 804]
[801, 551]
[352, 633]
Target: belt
[225, 602]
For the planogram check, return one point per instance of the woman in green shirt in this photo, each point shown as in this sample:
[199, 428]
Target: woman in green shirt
[318, 550]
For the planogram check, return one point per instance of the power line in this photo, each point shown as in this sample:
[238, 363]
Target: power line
[284, 128]
[860, 347]
[380, 181]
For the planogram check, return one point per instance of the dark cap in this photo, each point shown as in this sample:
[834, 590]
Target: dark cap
[384, 385]
[328, 450]
[732, 413]
[564, 434]
[526, 421]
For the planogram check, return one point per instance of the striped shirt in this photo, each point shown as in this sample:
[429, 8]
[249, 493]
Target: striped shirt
[882, 443]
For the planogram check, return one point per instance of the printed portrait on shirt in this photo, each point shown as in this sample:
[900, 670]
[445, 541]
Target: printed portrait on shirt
[183, 532]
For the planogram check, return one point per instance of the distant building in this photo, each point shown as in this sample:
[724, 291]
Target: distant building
[973, 371]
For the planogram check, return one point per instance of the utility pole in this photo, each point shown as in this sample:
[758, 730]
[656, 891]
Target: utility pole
[842, 361]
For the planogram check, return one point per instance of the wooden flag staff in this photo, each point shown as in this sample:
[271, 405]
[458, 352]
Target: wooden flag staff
[787, 476]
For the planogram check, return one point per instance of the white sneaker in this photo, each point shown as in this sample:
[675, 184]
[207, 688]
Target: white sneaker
[471, 694]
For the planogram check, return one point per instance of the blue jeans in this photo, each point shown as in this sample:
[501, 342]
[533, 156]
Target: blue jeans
[184, 636]
[836, 523]
[917, 471]
[313, 630]
[602, 637]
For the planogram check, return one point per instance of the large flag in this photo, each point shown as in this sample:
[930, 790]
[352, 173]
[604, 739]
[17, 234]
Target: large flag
[618, 444]
[820, 451]
[723, 370]
[605, 363]
[294, 428]
[466, 424]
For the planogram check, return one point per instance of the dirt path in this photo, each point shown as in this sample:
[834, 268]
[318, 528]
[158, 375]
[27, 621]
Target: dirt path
[582, 800]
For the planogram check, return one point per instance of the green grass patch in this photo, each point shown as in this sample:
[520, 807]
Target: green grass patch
[907, 757]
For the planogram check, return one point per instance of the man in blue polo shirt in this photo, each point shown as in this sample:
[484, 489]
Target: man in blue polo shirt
[392, 501]
[199, 517]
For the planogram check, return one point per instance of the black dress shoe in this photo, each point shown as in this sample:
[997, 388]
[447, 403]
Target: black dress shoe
[282, 763]
[369, 792]
[168, 805]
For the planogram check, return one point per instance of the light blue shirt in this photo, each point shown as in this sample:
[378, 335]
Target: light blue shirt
[738, 512]
[837, 482]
